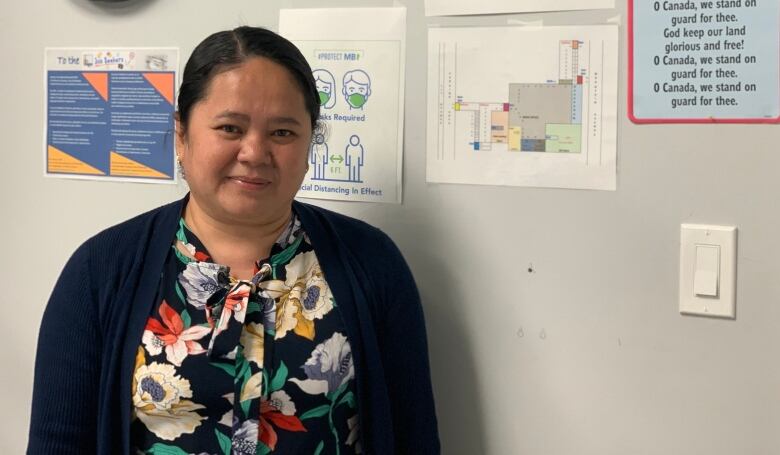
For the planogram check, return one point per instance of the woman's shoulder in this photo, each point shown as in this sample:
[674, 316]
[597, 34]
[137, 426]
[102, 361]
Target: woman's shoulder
[105, 263]
[357, 233]
[374, 251]
[122, 239]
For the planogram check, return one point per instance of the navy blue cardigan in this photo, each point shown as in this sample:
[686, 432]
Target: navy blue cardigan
[95, 317]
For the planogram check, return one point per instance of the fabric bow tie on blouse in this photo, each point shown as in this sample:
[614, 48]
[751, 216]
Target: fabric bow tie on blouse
[228, 307]
[235, 309]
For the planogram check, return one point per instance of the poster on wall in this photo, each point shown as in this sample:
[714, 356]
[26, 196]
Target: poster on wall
[358, 67]
[704, 61]
[523, 106]
[109, 113]
[469, 7]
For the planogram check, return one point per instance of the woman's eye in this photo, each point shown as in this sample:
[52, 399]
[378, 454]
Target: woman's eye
[283, 133]
[230, 129]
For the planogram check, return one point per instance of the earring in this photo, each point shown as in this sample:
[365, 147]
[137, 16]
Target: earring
[179, 166]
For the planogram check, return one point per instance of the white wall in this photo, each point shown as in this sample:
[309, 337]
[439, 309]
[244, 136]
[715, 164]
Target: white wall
[585, 355]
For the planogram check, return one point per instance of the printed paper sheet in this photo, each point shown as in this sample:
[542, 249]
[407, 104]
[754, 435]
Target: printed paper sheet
[358, 66]
[523, 106]
[109, 113]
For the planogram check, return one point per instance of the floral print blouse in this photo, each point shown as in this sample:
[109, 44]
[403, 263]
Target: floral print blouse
[230, 366]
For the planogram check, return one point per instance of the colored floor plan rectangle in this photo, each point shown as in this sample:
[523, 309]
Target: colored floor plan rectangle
[545, 117]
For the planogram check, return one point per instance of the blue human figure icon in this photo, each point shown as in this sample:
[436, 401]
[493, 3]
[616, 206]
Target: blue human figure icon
[318, 155]
[326, 87]
[356, 88]
[354, 158]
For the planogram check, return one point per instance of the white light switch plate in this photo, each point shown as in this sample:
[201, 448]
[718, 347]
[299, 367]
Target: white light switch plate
[694, 239]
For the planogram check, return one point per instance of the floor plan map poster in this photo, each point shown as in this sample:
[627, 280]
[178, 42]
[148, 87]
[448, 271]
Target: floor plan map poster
[357, 63]
[109, 113]
[523, 106]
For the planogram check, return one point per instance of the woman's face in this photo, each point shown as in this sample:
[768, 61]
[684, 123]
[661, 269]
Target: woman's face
[245, 147]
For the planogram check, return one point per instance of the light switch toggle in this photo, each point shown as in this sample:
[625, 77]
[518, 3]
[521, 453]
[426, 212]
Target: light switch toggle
[706, 278]
[708, 270]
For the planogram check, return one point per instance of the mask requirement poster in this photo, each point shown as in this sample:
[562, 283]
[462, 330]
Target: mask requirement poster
[358, 66]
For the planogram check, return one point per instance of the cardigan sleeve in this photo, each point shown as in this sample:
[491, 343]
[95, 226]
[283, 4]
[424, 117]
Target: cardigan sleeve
[404, 349]
[67, 366]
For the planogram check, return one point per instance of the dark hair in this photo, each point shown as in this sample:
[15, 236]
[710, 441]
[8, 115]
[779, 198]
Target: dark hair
[232, 47]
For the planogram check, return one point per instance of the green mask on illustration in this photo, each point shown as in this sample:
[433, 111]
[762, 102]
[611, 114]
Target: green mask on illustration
[357, 100]
[324, 97]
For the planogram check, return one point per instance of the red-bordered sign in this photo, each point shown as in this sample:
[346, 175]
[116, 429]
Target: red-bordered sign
[632, 113]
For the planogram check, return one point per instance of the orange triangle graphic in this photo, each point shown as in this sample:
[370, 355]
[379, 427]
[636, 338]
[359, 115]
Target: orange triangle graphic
[163, 82]
[122, 166]
[99, 82]
[60, 162]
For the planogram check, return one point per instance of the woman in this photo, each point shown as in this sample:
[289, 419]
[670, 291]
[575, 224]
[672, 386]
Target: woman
[166, 334]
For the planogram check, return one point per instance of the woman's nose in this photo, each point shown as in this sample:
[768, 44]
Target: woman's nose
[255, 150]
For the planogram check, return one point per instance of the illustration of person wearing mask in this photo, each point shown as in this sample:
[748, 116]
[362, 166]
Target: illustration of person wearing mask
[354, 160]
[318, 155]
[326, 84]
[356, 88]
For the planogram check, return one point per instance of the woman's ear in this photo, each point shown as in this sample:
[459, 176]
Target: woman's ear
[181, 143]
[180, 134]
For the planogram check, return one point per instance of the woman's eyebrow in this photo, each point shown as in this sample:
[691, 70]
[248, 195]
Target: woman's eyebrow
[232, 114]
[285, 120]
[239, 116]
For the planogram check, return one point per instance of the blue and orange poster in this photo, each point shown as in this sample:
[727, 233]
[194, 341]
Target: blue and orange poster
[110, 114]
